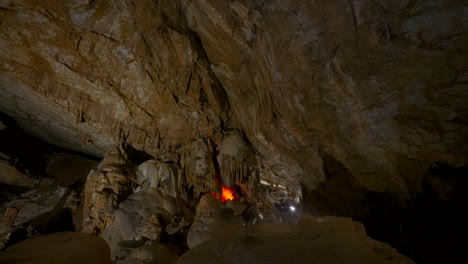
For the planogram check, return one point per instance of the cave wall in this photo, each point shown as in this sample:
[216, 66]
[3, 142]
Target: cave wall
[379, 86]
[85, 74]
[367, 82]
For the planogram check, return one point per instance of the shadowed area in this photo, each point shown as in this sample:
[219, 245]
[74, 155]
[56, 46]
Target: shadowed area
[58, 248]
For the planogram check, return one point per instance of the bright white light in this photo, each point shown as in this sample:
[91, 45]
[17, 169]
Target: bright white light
[275, 184]
[292, 208]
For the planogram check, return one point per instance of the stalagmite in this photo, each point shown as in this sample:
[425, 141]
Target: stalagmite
[105, 188]
[159, 175]
[200, 172]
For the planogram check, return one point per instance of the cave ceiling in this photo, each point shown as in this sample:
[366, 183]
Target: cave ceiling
[380, 86]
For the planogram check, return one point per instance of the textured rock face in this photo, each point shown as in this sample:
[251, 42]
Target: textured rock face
[377, 85]
[105, 188]
[156, 174]
[361, 95]
[207, 221]
[34, 211]
[74, 248]
[380, 86]
[130, 206]
[11, 176]
[333, 240]
[100, 71]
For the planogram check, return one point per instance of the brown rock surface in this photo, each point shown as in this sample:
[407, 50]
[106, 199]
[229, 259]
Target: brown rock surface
[37, 204]
[38, 210]
[208, 222]
[68, 168]
[104, 189]
[380, 86]
[58, 248]
[331, 241]
[377, 85]
[99, 71]
[350, 97]
[12, 176]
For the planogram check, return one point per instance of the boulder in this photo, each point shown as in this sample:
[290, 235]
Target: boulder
[208, 221]
[105, 188]
[160, 175]
[58, 248]
[199, 168]
[69, 168]
[35, 211]
[142, 216]
[10, 175]
[331, 241]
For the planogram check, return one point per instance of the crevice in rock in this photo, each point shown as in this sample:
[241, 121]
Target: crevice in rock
[136, 156]
[28, 152]
[337, 195]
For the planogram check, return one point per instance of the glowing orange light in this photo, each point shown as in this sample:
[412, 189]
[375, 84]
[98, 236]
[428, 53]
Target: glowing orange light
[227, 195]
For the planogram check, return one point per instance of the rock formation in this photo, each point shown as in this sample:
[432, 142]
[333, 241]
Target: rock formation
[159, 175]
[74, 248]
[12, 176]
[351, 108]
[237, 163]
[105, 188]
[199, 167]
[207, 223]
[336, 240]
[35, 211]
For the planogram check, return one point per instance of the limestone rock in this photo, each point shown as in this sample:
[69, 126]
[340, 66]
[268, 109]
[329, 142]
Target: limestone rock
[38, 209]
[58, 248]
[142, 216]
[379, 86]
[337, 223]
[105, 188]
[162, 176]
[207, 223]
[199, 167]
[38, 202]
[307, 242]
[99, 83]
[69, 168]
[237, 163]
[127, 205]
[354, 80]
[10, 175]
[157, 254]
[74, 204]
[178, 226]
